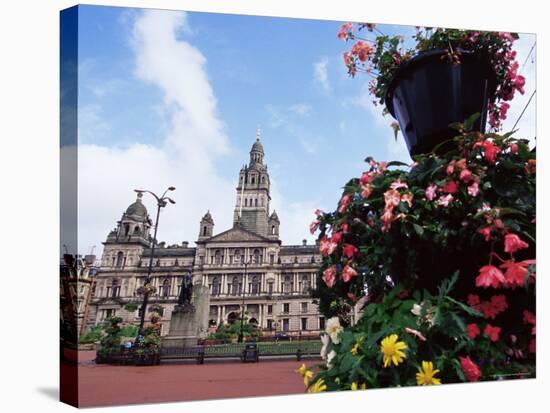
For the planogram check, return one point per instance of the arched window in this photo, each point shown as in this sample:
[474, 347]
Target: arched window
[204, 231]
[255, 285]
[237, 256]
[166, 288]
[137, 230]
[287, 284]
[215, 286]
[246, 202]
[270, 285]
[126, 229]
[218, 257]
[256, 202]
[253, 180]
[273, 230]
[120, 259]
[263, 179]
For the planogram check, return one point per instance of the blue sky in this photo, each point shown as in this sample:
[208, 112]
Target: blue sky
[174, 98]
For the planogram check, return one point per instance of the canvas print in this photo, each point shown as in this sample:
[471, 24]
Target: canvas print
[257, 206]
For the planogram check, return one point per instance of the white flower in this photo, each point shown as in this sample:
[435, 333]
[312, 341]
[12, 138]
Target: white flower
[416, 310]
[330, 356]
[429, 317]
[334, 328]
[325, 339]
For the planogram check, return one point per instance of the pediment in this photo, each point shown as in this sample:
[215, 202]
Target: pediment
[237, 234]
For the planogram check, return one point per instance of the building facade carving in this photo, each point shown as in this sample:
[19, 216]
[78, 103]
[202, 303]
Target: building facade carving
[246, 262]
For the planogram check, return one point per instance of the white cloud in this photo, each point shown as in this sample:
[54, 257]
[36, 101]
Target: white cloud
[186, 157]
[320, 74]
[301, 109]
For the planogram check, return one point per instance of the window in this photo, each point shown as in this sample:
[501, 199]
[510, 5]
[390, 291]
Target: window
[255, 285]
[321, 323]
[204, 231]
[255, 201]
[114, 289]
[215, 286]
[257, 259]
[237, 256]
[272, 259]
[304, 307]
[273, 230]
[253, 180]
[120, 259]
[218, 257]
[305, 284]
[235, 286]
[270, 287]
[156, 309]
[126, 229]
[287, 284]
[286, 324]
[304, 323]
[263, 179]
[270, 325]
[246, 202]
[166, 288]
[270, 309]
[286, 308]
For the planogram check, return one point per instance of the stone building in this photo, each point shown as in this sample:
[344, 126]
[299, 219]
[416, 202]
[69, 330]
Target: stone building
[246, 263]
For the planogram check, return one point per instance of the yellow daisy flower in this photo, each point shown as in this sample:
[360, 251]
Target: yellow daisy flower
[317, 387]
[426, 374]
[354, 386]
[391, 349]
[305, 373]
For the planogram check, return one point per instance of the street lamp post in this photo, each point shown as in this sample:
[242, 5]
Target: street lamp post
[162, 201]
[241, 333]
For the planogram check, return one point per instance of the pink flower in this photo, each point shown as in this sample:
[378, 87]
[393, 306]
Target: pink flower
[491, 150]
[473, 189]
[362, 50]
[327, 246]
[430, 192]
[345, 228]
[465, 175]
[444, 200]
[519, 83]
[344, 203]
[366, 178]
[318, 212]
[516, 272]
[366, 190]
[329, 276]
[513, 148]
[313, 227]
[450, 187]
[473, 300]
[345, 31]
[398, 184]
[451, 167]
[407, 198]
[512, 243]
[392, 198]
[472, 330]
[489, 276]
[470, 369]
[486, 232]
[348, 273]
[349, 250]
[506, 36]
[492, 332]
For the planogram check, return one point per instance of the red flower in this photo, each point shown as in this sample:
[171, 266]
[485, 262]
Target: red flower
[531, 166]
[470, 369]
[489, 276]
[329, 276]
[345, 228]
[515, 273]
[491, 150]
[348, 273]
[313, 227]
[392, 198]
[492, 332]
[473, 300]
[450, 187]
[407, 198]
[513, 148]
[349, 250]
[512, 243]
[486, 232]
[327, 246]
[366, 191]
[528, 317]
[465, 175]
[337, 237]
[472, 330]
[533, 345]
[345, 31]
[398, 184]
[362, 50]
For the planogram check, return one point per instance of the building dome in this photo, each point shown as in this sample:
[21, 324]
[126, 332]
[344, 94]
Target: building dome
[137, 208]
[257, 146]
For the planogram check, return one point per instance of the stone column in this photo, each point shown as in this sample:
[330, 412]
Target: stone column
[218, 318]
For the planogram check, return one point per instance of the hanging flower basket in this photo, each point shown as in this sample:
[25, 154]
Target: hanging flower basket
[429, 92]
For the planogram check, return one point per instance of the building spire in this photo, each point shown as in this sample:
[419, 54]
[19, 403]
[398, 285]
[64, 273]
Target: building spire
[258, 133]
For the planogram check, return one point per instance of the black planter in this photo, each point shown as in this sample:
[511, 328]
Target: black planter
[428, 93]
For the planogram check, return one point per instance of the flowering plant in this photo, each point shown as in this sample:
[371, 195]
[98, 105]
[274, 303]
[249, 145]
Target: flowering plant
[382, 55]
[463, 220]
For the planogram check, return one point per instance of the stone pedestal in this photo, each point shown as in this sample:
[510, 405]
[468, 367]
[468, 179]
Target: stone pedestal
[183, 328]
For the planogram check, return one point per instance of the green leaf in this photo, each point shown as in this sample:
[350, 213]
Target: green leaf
[419, 230]
[469, 123]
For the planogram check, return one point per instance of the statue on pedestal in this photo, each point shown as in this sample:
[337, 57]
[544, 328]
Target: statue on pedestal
[186, 293]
